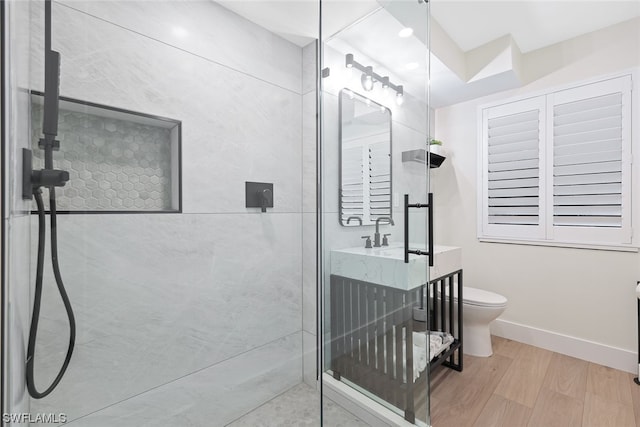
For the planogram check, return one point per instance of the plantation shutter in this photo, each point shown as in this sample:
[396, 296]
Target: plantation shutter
[557, 167]
[379, 180]
[513, 181]
[591, 133]
[352, 191]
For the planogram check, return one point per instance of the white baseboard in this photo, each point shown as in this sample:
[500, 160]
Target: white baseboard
[590, 351]
[367, 410]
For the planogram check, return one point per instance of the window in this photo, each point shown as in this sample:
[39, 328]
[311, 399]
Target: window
[557, 167]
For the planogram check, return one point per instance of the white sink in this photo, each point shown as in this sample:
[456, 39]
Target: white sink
[386, 266]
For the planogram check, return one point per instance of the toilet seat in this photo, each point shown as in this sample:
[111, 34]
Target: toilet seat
[478, 297]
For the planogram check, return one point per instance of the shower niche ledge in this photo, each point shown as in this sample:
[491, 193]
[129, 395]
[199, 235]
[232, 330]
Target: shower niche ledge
[119, 161]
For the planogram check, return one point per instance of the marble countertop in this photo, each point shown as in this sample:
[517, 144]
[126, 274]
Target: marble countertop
[386, 266]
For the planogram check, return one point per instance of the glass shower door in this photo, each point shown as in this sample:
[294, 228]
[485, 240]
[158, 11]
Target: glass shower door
[183, 271]
[375, 221]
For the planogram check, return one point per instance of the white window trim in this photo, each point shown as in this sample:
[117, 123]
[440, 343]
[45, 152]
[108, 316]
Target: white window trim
[632, 209]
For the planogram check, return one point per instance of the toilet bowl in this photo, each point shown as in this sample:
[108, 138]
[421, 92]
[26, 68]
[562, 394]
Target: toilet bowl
[479, 308]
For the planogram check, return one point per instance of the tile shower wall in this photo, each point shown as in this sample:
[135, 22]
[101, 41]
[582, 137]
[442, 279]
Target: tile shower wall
[197, 313]
[113, 164]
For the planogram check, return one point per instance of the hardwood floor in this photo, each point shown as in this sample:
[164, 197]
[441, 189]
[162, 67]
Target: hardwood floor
[521, 385]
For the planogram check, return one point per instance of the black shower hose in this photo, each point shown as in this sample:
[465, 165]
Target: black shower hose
[37, 193]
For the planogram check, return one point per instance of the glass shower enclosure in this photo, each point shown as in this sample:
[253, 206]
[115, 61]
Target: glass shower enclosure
[376, 229]
[221, 172]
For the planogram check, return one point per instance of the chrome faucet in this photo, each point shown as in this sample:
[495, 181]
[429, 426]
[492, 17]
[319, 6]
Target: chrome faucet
[376, 237]
[354, 217]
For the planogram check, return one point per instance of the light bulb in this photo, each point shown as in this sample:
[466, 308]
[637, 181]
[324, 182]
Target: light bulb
[400, 95]
[385, 85]
[348, 61]
[367, 81]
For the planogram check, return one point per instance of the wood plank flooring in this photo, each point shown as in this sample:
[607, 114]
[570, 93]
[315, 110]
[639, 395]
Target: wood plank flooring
[522, 385]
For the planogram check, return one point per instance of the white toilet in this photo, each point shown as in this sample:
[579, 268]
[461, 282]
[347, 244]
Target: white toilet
[479, 308]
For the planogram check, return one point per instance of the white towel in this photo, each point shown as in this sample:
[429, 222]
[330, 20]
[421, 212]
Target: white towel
[438, 342]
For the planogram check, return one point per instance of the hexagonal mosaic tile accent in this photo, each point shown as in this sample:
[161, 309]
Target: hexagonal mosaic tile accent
[114, 165]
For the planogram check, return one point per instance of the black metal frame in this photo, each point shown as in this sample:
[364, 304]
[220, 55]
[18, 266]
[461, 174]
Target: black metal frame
[340, 154]
[368, 318]
[438, 317]
[408, 251]
[178, 123]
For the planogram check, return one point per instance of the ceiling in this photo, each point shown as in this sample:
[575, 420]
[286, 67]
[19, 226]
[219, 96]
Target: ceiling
[474, 43]
[532, 24]
[470, 23]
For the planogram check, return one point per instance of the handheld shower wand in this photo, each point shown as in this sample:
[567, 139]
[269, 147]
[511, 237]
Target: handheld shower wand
[33, 181]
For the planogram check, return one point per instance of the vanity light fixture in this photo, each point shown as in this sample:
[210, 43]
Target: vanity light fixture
[400, 95]
[348, 60]
[369, 77]
[385, 84]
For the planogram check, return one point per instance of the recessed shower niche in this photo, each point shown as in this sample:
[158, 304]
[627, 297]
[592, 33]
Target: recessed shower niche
[118, 160]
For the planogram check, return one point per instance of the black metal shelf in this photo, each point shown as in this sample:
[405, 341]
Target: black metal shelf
[442, 357]
[421, 155]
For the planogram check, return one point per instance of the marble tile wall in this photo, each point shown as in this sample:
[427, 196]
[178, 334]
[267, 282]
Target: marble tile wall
[232, 122]
[204, 308]
[215, 396]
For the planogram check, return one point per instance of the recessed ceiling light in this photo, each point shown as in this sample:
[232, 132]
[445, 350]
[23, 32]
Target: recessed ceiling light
[406, 32]
[179, 32]
[412, 66]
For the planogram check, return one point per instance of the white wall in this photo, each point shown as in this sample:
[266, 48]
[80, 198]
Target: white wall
[581, 293]
[192, 318]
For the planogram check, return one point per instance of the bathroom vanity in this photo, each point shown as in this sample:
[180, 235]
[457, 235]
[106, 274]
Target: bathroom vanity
[373, 295]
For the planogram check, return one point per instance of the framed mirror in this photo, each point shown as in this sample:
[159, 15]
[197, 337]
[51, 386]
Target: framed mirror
[365, 160]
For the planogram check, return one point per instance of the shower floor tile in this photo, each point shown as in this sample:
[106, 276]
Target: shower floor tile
[299, 406]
